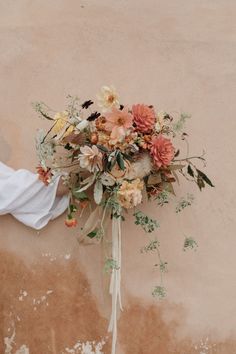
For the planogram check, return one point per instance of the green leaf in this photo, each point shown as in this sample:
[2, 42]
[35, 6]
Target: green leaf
[110, 264]
[200, 182]
[68, 147]
[162, 198]
[73, 208]
[190, 171]
[205, 178]
[148, 224]
[80, 195]
[103, 148]
[93, 233]
[127, 157]
[120, 161]
[184, 203]
[151, 246]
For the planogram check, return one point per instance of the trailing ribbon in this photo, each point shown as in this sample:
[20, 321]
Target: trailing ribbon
[97, 218]
[115, 281]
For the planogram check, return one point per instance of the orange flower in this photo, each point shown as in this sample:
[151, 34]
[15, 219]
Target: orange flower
[100, 123]
[45, 174]
[70, 222]
[103, 139]
[144, 117]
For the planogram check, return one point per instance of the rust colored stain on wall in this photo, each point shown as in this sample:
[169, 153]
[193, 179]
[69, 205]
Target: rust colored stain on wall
[144, 331]
[49, 305]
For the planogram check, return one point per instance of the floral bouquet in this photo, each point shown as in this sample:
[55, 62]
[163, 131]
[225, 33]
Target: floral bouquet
[112, 158]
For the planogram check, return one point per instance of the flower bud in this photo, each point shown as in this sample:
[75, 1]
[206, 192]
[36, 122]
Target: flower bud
[70, 222]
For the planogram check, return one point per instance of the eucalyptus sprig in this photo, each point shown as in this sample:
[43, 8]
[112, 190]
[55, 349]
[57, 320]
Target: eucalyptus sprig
[148, 224]
[159, 292]
[110, 264]
[184, 203]
[190, 244]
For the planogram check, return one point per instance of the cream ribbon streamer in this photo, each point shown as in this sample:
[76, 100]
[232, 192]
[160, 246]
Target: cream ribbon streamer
[115, 279]
[95, 218]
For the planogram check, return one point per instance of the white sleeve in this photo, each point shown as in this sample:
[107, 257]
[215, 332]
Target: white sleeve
[24, 196]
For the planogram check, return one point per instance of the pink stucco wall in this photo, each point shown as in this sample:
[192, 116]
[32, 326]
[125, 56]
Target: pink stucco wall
[177, 55]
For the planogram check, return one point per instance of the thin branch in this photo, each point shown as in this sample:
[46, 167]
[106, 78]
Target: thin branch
[67, 166]
[190, 158]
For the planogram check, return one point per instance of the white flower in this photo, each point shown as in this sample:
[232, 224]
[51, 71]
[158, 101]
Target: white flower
[82, 125]
[108, 98]
[90, 158]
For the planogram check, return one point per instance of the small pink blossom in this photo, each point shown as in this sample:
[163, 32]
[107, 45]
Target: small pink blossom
[117, 122]
[162, 151]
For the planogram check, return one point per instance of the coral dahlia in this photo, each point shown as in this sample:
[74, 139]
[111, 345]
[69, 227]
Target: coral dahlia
[162, 151]
[144, 117]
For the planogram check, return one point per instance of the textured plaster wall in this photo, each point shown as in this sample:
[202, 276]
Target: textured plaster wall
[178, 55]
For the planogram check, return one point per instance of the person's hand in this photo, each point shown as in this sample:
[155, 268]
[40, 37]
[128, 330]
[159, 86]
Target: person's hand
[62, 189]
